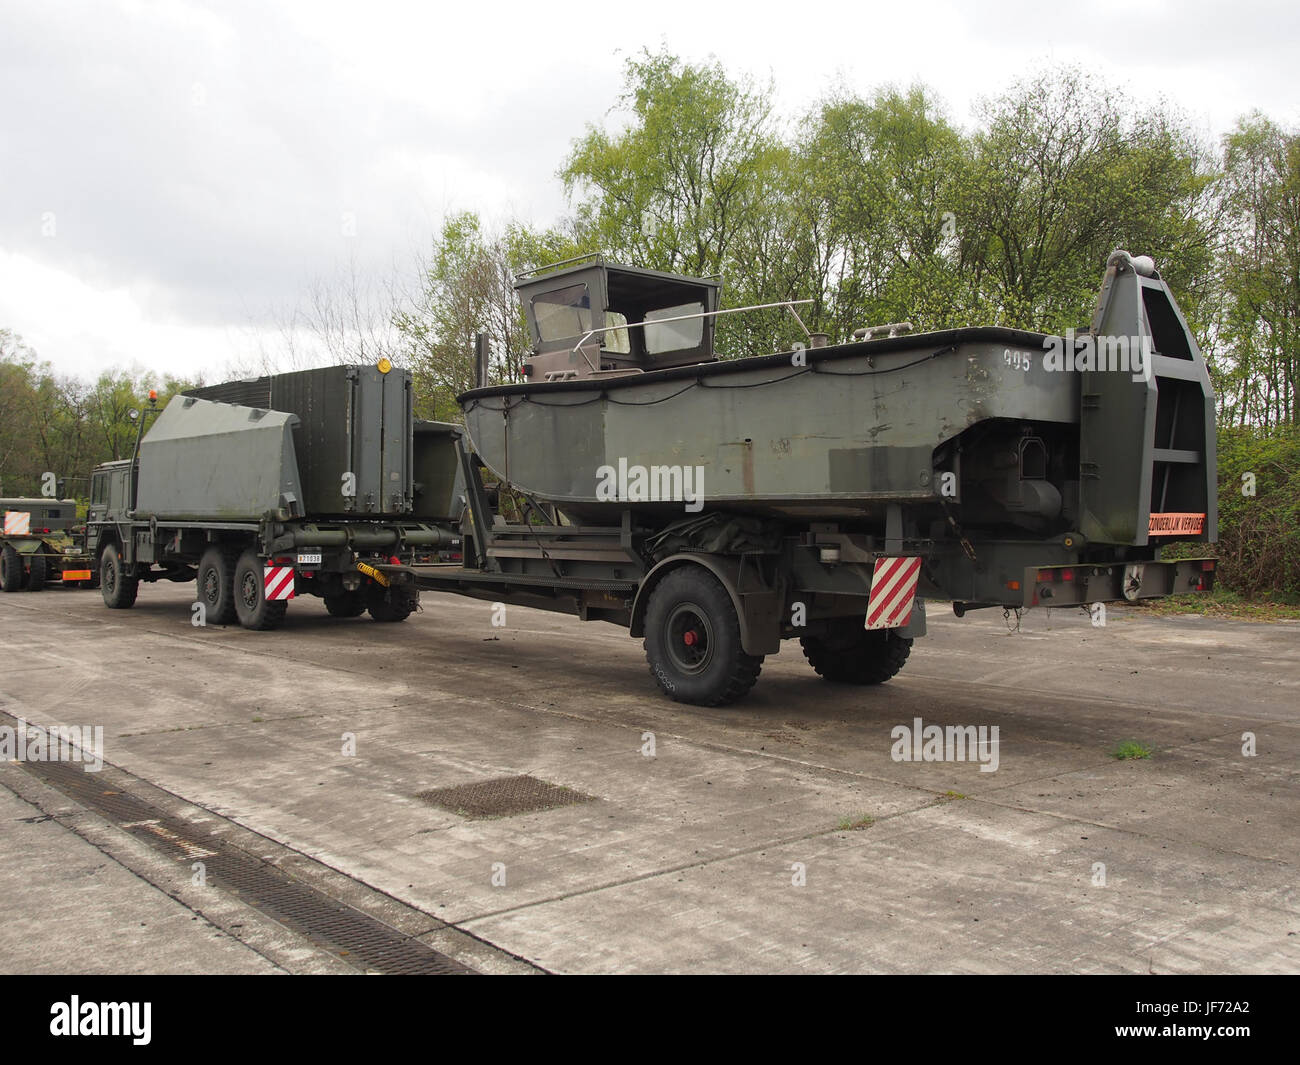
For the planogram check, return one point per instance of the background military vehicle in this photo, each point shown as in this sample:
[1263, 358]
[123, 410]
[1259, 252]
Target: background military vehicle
[318, 482]
[39, 545]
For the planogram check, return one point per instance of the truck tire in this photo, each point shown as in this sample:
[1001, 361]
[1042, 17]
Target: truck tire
[393, 606]
[11, 569]
[38, 570]
[119, 590]
[215, 584]
[345, 605]
[693, 640]
[251, 605]
[851, 654]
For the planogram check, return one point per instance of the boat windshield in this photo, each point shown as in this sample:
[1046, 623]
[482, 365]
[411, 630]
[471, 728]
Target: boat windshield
[564, 313]
[674, 336]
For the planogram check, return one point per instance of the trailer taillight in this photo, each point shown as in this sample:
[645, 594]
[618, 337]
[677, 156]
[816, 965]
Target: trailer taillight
[1208, 564]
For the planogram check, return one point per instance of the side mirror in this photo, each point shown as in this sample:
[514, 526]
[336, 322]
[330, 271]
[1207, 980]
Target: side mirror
[133, 414]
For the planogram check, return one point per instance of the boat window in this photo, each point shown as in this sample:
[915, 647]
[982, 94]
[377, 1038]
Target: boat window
[564, 313]
[616, 339]
[674, 336]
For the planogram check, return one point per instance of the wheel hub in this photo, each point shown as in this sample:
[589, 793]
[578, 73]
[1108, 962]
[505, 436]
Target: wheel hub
[690, 638]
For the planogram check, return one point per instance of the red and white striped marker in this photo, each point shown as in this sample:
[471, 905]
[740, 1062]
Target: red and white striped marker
[893, 591]
[18, 523]
[277, 581]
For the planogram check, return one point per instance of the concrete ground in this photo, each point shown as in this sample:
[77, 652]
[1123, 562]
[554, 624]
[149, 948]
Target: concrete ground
[727, 849]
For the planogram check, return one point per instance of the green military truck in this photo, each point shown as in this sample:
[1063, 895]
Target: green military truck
[319, 483]
[40, 545]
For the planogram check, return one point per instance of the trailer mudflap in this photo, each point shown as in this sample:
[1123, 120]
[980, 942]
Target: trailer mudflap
[1115, 582]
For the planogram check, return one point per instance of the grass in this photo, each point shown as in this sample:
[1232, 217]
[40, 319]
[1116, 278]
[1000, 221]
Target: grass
[949, 796]
[1130, 749]
[1223, 603]
[849, 824]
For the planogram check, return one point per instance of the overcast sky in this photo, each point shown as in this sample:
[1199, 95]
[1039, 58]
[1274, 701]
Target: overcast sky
[174, 174]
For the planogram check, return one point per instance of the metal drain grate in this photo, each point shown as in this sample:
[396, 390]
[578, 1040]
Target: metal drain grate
[336, 927]
[503, 797]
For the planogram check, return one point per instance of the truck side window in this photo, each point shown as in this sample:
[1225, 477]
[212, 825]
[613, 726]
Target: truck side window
[97, 493]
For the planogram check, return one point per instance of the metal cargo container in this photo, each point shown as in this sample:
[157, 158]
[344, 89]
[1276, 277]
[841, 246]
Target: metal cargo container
[216, 461]
[352, 420]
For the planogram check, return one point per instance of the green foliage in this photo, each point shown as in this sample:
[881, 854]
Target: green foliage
[466, 287]
[63, 425]
[1259, 533]
[1260, 264]
[1130, 749]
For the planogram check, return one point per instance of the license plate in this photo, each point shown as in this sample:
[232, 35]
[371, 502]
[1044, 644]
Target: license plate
[309, 558]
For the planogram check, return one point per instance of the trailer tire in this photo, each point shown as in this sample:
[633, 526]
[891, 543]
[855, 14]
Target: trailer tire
[11, 569]
[851, 654]
[391, 608]
[345, 605]
[215, 584]
[252, 607]
[119, 590]
[37, 572]
[692, 640]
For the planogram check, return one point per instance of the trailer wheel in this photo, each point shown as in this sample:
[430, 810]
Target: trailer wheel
[850, 654]
[393, 606]
[251, 605]
[693, 640]
[38, 571]
[119, 590]
[11, 569]
[345, 605]
[215, 584]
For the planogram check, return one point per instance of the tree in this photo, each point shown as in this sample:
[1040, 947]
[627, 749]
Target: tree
[1261, 272]
[467, 287]
[1063, 172]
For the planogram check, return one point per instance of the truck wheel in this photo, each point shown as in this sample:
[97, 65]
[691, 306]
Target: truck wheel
[251, 605]
[11, 569]
[215, 584]
[693, 641]
[119, 590]
[345, 605]
[850, 654]
[38, 571]
[394, 606]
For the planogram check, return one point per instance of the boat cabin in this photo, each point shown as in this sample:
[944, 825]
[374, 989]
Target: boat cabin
[601, 319]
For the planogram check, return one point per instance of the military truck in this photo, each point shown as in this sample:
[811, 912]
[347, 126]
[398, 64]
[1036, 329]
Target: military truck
[311, 483]
[40, 546]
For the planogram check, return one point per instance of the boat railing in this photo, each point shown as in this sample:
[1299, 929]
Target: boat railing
[789, 305]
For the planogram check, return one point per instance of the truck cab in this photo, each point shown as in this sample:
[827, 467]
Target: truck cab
[110, 491]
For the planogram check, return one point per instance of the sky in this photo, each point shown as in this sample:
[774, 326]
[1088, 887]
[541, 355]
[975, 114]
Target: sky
[176, 176]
